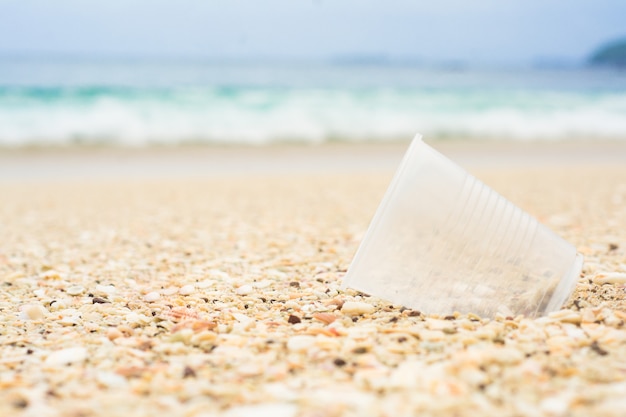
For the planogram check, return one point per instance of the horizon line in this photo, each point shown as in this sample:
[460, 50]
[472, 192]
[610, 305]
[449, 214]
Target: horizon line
[347, 59]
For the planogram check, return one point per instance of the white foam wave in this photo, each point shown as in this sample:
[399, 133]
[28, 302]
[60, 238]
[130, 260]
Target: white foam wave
[259, 117]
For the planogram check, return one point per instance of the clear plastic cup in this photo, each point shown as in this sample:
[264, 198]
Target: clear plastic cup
[442, 241]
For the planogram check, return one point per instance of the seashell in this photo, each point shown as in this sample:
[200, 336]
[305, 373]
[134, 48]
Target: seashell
[245, 290]
[335, 302]
[326, 318]
[300, 343]
[67, 356]
[195, 325]
[33, 312]
[152, 296]
[610, 278]
[357, 308]
[187, 289]
[566, 316]
[75, 290]
[178, 314]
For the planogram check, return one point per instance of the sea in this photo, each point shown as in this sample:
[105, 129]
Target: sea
[66, 101]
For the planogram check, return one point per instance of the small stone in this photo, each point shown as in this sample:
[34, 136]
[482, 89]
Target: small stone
[107, 289]
[169, 291]
[205, 284]
[114, 333]
[56, 305]
[356, 308]
[245, 290]
[338, 303]
[300, 343]
[110, 379]
[555, 406]
[566, 316]
[431, 335]
[325, 317]
[187, 289]
[188, 372]
[610, 278]
[75, 290]
[13, 276]
[99, 300]
[263, 284]
[588, 316]
[505, 356]
[67, 356]
[595, 346]
[33, 312]
[339, 362]
[266, 409]
[294, 319]
[437, 324]
[152, 296]
[69, 320]
[292, 304]
[50, 275]
[18, 401]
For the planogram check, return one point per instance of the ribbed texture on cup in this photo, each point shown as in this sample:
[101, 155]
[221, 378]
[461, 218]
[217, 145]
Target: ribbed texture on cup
[442, 241]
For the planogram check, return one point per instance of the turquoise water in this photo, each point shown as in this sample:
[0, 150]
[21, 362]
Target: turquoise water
[138, 102]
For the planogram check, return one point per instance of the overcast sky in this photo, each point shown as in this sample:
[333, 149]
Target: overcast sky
[440, 30]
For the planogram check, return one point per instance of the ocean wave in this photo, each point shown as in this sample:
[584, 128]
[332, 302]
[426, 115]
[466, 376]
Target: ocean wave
[253, 115]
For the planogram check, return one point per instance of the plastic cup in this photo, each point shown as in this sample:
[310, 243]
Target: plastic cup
[442, 241]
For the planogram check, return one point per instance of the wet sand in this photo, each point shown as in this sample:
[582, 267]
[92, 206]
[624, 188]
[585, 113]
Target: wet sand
[341, 158]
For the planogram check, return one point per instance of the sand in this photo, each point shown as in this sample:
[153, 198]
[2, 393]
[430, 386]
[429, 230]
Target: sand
[201, 283]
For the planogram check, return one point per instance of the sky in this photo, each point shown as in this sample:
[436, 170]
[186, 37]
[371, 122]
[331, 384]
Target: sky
[480, 31]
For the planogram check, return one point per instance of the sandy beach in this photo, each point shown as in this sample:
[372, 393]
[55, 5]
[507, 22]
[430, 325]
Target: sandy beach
[206, 281]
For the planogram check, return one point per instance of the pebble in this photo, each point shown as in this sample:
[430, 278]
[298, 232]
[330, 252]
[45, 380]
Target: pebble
[75, 290]
[325, 317]
[51, 275]
[152, 296]
[67, 356]
[207, 283]
[506, 356]
[13, 276]
[263, 410]
[566, 316]
[437, 324]
[610, 278]
[555, 406]
[245, 289]
[187, 289]
[356, 308]
[169, 291]
[114, 333]
[300, 343]
[58, 305]
[107, 289]
[431, 335]
[588, 316]
[69, 320]
[111, 380]
[263, 284]
[33, 312]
